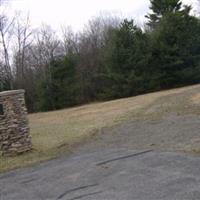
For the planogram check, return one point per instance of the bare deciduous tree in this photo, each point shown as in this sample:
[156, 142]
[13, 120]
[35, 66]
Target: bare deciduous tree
[6, 32]
[70, 40]
[198, 7]
[23, 33]
[91, 42]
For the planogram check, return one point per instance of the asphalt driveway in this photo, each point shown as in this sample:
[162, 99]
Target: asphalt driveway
[111, 174]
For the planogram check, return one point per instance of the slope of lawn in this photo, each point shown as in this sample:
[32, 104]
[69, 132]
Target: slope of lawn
[57, 133]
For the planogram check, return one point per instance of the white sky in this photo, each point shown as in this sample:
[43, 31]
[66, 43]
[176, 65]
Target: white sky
[76, 13]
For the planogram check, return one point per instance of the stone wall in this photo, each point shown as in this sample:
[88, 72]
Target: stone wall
[14, 129]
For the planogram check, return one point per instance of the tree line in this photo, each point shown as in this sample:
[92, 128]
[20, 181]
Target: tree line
[111, 58]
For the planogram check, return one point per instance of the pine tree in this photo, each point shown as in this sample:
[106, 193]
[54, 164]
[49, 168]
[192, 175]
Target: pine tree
[175, 50]
[160, 8]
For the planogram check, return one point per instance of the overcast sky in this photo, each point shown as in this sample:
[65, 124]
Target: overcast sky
[76, 13]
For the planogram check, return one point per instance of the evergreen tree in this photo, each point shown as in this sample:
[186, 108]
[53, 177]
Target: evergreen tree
[175, 51]
[160, 8]
[126, 56]
[62, 91]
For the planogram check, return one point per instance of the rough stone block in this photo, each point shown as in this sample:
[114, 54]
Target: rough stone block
[14, 129]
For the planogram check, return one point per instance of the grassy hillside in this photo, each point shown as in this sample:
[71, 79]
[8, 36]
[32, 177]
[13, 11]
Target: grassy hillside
[57, 133]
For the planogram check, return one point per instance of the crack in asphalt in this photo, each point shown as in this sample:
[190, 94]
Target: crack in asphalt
[29, 180]
[76, 189]
[86, 195]
[122, 157]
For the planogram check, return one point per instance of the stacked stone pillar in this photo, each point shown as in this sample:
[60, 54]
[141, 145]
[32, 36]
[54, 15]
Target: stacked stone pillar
[14, 129]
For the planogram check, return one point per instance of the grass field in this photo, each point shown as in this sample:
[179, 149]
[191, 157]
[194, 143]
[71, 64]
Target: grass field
[58, 132]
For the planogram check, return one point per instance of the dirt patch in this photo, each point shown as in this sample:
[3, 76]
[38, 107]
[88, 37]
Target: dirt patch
[171, 133]
[196, 98]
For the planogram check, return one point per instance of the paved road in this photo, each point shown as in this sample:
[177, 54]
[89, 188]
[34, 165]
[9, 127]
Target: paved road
[112, 174]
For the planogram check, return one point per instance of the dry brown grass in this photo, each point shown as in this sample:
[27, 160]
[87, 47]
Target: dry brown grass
[54, 133]
[196, 99]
